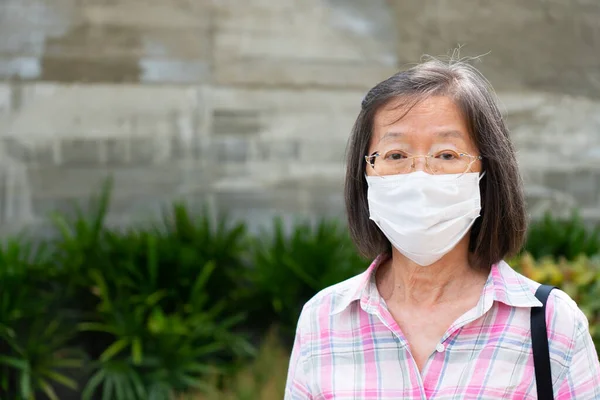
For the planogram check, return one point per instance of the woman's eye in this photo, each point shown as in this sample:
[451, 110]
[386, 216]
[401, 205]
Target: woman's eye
[396, 156]
[447, 156]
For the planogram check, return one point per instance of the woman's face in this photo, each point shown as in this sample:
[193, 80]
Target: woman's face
[430, 127]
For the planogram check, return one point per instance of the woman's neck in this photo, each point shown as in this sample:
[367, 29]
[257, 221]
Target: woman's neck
[403, 282]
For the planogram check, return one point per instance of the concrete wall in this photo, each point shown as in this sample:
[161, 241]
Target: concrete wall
[541, 45]
[247, 105]
[259, 150]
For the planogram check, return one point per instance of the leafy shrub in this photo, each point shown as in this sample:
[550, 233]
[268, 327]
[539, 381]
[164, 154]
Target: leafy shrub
[79, 247]
[264, 378]
[159, 346]
[156, 307]
[579, 278]
[184, 244]
[34, 337]
[557, 238]
[289, 268]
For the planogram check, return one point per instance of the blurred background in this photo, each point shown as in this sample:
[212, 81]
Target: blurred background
[247, 105]
[194, 108]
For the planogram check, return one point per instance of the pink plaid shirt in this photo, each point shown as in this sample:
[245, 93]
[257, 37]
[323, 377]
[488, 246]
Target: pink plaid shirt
[348, 346]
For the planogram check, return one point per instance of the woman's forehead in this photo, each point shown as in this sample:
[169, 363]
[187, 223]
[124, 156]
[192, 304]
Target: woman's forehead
[432, 119]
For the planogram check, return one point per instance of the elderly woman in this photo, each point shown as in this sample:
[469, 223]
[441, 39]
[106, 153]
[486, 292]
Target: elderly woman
[433, 195]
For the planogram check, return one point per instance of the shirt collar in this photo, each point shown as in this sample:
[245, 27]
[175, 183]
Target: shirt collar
[505, 284]
[512, 288]
[359, 287]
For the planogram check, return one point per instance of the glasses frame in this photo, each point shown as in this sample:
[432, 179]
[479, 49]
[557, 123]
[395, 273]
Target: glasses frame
[370, 159]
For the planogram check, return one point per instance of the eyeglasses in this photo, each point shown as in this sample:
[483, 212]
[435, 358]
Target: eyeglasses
[441, 162]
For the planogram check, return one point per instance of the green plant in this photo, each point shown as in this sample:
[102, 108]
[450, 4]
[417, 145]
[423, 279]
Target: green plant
[164, 339]
[557, 238]
[186, 243]
[289, 268]
[80, 246]
[159, 305]
[34, 340]
[579, 278]
[263, 378]
[156, 319]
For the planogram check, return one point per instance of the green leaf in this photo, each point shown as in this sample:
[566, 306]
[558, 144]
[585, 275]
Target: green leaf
[107, 390]
[67, 363]
[156, 321]
[136, 351]
[137, 384]
[114, 349]
[51, 328]
[62, 226]
[25, 384]
[207, 349]
[97, 327]
[14, 362]
[201, 368]
[195, 383]
[204, 276]
[152, 260]
[155, 297]
[120, 386]
[4, 379]
[7, 332]
[48, 391]
[300, 273]
[92, 384]
[103, 289]
[62, 379]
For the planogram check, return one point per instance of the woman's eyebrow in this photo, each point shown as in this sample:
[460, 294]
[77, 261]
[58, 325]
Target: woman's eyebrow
[391, 135]
[442, 134]
[451, 134]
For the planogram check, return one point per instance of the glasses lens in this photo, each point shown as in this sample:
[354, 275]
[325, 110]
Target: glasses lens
[391, 164]
[441, 162]
[449, 162]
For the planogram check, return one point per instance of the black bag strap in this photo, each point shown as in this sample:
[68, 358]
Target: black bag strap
[539, 339]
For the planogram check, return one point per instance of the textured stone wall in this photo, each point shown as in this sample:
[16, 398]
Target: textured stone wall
[263, 151]
[247, 105]
[545, 45]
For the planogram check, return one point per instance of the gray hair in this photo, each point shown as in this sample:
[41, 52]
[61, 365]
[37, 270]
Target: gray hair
[501, 229]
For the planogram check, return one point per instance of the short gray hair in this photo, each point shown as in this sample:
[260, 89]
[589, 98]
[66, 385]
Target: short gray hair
[501, 229]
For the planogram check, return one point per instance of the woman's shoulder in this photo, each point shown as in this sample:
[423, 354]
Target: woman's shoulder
[333, 295]
[332, 299]
[564, 317]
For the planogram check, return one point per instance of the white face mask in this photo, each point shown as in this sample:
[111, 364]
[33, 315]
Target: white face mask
[424, 216]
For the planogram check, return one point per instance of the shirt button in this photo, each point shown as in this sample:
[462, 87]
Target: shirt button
[440, 347]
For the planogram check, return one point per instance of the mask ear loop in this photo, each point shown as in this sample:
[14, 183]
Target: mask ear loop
[481, 194]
